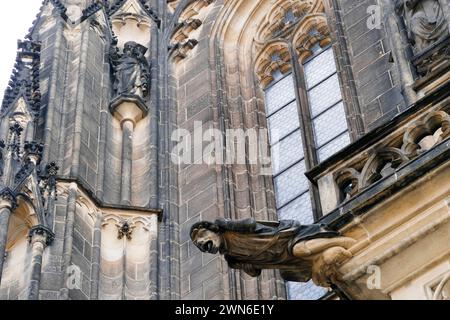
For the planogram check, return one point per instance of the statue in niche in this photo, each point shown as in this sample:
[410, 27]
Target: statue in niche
[132, 71]
[300, 252]
[425, 20]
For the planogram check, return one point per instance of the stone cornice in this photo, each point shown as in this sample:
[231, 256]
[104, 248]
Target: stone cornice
[102, 205]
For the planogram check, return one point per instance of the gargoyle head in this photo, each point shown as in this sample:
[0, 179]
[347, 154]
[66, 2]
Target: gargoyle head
[206, 237]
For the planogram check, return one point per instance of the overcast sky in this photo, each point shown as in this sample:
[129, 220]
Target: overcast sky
[16, 18]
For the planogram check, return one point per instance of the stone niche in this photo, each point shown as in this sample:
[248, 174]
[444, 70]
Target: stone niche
[126, 259]
[132, 23]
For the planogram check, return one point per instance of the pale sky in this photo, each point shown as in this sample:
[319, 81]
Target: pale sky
[16, 18]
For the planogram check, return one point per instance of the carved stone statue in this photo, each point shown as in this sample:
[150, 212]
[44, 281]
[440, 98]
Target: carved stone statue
[425, 21]
[131, 70]
[300, 252]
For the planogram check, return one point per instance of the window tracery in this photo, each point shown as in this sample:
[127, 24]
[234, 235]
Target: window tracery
[306, 118]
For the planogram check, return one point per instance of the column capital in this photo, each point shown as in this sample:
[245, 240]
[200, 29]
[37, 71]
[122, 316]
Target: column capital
[8, 199]
[41, 234]
[33, 151]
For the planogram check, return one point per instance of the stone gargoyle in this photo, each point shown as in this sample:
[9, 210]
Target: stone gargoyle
[300, 252]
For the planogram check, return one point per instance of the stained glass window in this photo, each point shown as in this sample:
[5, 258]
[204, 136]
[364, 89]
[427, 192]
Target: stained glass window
[325, 102]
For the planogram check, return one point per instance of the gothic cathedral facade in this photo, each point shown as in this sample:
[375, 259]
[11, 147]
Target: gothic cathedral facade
[111, 108]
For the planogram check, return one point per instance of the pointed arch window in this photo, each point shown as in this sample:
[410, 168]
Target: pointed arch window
[307, 124]
[305, 112]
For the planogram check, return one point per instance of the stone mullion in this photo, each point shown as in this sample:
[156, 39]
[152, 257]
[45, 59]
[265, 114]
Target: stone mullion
[309, 144]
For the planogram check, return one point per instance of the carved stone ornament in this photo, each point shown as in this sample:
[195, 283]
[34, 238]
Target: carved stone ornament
[42, 234]
[125, 231]
[131, 70]
[425, 21]
[300, 252]
[6, 194]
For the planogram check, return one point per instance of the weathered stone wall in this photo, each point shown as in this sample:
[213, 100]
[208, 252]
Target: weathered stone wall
[214, 85]
[375, 74]
[202, 275]
[15, 270]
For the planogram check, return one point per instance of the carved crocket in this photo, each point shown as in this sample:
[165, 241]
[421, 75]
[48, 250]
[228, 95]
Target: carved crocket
[300, 252]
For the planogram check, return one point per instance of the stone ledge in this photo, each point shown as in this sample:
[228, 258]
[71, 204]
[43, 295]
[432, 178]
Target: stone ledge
[131, 107]
[110, 206]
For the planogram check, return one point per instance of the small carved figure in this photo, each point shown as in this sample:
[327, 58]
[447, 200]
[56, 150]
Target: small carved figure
[300, 252]
[125, 231]
[132, 75]
[425, 21]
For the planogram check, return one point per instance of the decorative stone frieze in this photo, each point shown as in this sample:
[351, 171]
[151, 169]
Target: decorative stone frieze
[301, 24]
[274, 57]
[284, 14]
[180, 50]
[312, 30]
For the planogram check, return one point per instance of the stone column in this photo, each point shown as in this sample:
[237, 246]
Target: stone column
[129, 110]
[7, 205]
[154, 255]
[68, 239]
[127, 160]
[96, 257]
[40, 237]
